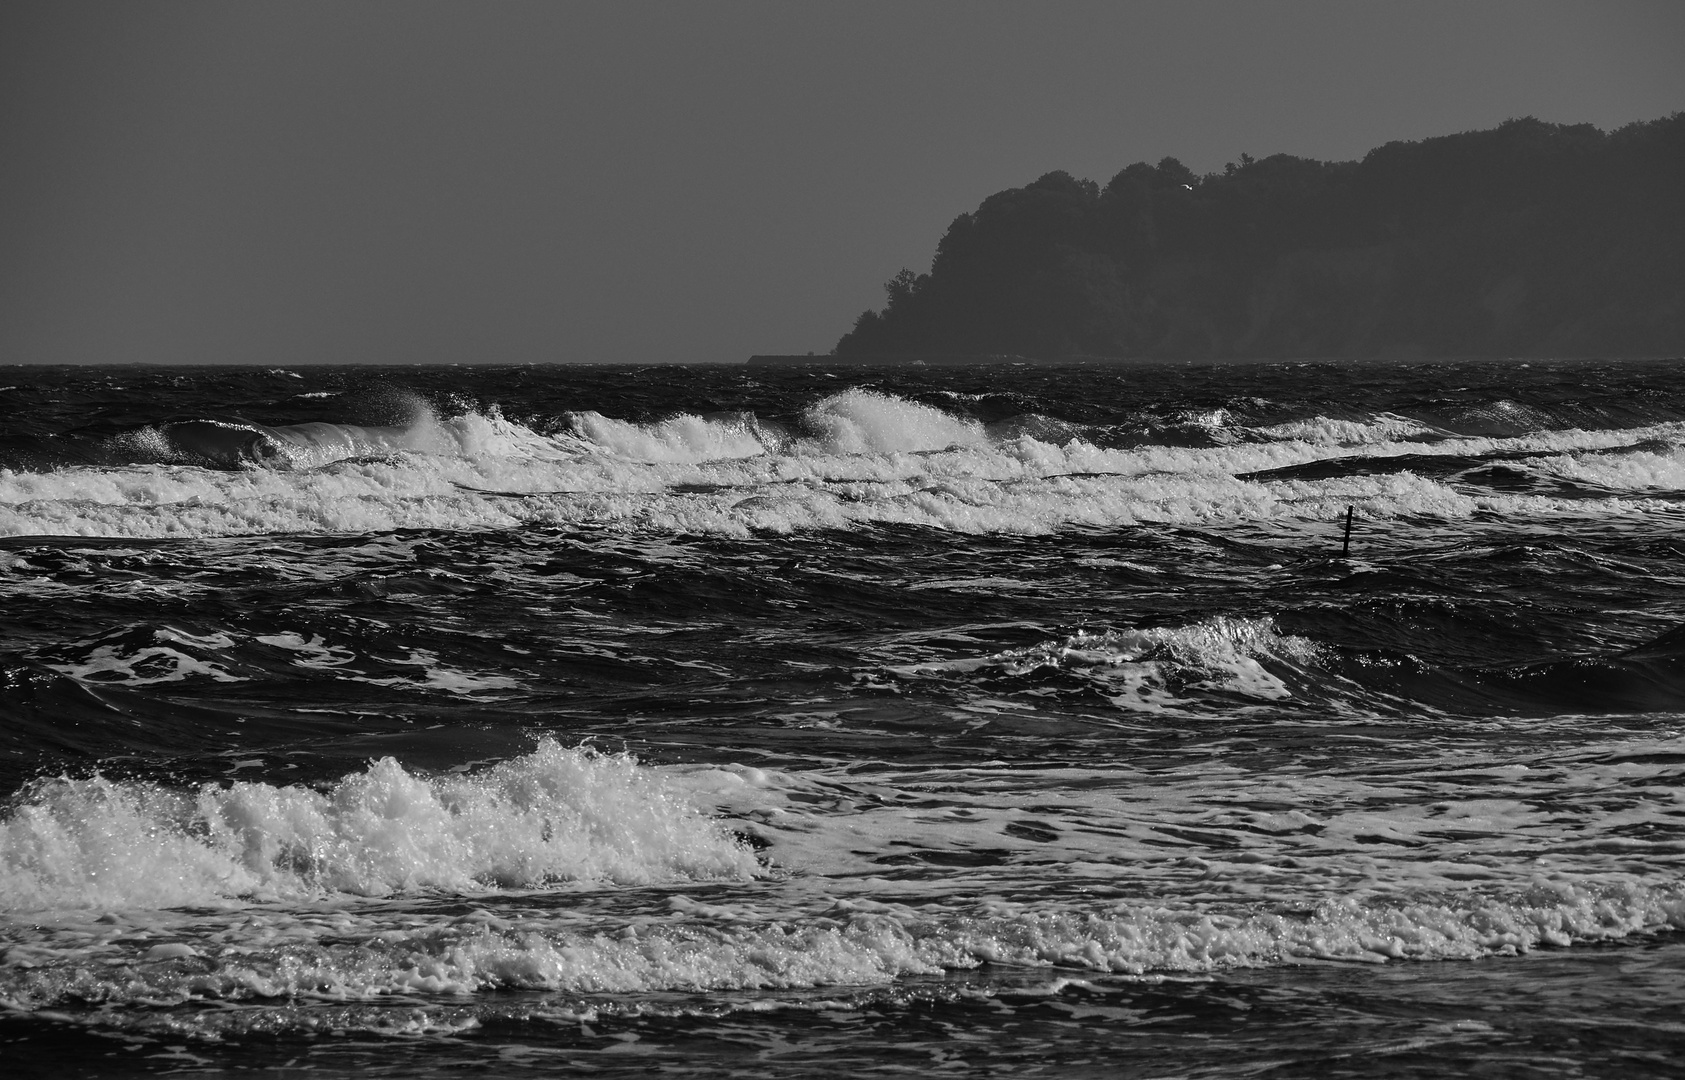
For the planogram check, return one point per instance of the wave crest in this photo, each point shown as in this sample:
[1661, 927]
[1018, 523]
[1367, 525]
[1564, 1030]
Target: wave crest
[865, 422]
[553, 815]
[1151, 669]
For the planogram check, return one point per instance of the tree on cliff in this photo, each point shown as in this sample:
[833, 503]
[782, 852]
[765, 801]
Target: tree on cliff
[1530, 238]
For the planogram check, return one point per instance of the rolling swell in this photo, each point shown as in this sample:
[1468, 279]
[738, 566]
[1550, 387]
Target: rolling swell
[212, 444]
[227, 445]
[1222, 664]
[1648, 679]
[220, 445]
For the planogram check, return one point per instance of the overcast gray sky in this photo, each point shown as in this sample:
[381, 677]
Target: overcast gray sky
[419, 181]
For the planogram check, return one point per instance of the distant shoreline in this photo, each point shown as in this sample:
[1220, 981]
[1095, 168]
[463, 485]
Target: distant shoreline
[1529, 238]
[895, 360]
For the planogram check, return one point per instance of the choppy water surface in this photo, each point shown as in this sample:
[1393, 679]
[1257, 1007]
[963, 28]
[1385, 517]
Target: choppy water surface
[807, 722]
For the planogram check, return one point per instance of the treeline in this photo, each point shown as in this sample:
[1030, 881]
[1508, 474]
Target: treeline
[1531, 239]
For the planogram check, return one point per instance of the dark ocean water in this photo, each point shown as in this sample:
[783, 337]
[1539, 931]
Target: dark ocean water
[716, 721]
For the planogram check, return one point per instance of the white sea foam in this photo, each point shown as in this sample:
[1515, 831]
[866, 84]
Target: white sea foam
[1146, 670]
[1400, 828]
[554, 815]
[860, 458]
[352, 956]
[863, 422]
[1661, 470]
[678, 439]
[1326, 431]
[1244, 868]
[142, 656]
[143, 666]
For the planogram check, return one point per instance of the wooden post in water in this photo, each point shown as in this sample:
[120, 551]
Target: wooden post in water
[1346, 548]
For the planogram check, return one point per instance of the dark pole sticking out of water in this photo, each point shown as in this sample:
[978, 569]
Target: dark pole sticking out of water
[1346, 548]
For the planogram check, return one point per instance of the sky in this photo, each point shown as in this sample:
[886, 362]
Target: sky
[499, 181]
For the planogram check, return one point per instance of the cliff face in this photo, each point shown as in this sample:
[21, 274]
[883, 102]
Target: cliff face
[1529, 239]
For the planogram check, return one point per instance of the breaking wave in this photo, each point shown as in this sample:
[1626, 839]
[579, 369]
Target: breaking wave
[851, 459]
[555, 815]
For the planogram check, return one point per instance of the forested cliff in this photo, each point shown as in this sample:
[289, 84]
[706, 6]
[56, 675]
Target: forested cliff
[1530, 239]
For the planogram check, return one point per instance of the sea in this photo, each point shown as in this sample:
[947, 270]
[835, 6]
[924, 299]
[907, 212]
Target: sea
[1150, 720]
